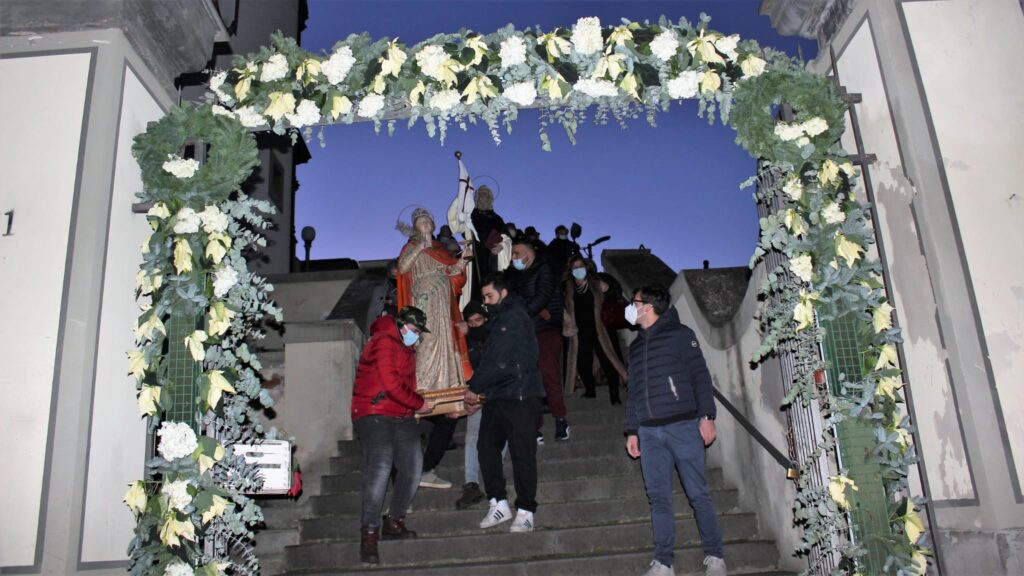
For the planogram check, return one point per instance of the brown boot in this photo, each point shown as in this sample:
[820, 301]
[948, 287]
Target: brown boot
[368, 545]
[394, 529]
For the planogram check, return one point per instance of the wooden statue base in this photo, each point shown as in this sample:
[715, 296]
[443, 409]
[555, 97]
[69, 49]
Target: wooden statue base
[446, 401]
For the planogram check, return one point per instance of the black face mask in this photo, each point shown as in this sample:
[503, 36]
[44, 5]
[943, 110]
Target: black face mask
[478, 333]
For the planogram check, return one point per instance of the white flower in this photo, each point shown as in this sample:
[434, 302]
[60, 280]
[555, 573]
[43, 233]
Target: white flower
[684, 85]
[727, 45]
[186, 221]
[596, 88]
[213, 220]
[586, 35]
[833, 214]
[444, 100]
[522, 93]
[788, 132]
[370, 106]
[216, 81]
[752, 66]
[336, 67]
[181, 167]
[249, 117]
[275, 68]
[814, 126]
[512, 52]
[306, 113]
[802, 267]
[431, 61]
[793, 188]
[177, 494]
[177, 440]
[178, 568]
[223, 280]
[802, 141]
[221, 111]
[665, 45]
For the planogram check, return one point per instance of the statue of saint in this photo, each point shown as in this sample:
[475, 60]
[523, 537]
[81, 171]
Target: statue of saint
[431, 279]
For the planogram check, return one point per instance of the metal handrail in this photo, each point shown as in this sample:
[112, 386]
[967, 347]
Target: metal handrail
[791, 467]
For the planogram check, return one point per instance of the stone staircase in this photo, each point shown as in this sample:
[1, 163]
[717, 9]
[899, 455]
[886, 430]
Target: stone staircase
[593, 518]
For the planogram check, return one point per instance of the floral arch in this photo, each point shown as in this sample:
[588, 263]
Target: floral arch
[193, 516]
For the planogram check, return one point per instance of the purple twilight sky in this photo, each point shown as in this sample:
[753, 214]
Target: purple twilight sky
[673, 188]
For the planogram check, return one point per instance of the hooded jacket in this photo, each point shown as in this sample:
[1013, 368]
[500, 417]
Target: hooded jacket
[539, 290]
[668, 377]
[386, 377]
[508, 364]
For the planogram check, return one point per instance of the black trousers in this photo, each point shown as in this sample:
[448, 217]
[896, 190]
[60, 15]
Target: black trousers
[515, 422]
[439, 440]
[588, 346]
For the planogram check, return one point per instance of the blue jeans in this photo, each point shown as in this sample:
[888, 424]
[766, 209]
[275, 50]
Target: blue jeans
[388, 442]
[680, 446]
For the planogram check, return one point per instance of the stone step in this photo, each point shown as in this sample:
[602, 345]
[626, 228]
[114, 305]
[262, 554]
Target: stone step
[283, 513]
[275, 540]
[548, 492]
[575, 551]
[558, 515]
[453, 470]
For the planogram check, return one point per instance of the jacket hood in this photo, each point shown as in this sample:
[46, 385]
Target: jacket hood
[669, 318]
[385, 325]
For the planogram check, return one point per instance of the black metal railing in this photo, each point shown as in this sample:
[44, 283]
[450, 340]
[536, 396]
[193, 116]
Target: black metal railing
[792, 468]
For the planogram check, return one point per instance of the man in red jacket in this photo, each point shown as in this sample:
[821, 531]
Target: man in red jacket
[384, 401]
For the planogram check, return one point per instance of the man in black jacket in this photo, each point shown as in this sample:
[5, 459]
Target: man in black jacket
[531, 278]
[509, 386]
[670, 414]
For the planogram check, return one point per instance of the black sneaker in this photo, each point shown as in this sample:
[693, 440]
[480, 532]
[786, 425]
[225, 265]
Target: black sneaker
[561, 429]
[471, 495]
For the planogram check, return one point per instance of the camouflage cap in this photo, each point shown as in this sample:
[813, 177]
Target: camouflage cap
[412, 315]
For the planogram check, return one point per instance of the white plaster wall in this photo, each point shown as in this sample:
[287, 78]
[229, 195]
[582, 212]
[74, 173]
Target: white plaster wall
[118, 435]
[968, 53]
[41, 110]
[304, 302]
[934, 405]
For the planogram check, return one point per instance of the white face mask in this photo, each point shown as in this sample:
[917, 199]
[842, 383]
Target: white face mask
[631, 314]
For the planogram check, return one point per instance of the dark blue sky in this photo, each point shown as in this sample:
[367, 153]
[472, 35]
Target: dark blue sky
[673, 188]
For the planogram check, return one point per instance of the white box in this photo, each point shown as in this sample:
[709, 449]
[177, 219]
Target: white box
[274, 459]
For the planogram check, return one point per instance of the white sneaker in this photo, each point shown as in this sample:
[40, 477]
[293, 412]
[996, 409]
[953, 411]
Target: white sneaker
[714, 566]
[430, 479]
[498, 512]
[659, 569]
[523, 522]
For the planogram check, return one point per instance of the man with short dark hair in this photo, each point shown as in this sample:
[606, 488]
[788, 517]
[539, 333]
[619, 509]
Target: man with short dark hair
[670, 415]
[531, 278]
[476, 338]
[560, 250]
[508, 385]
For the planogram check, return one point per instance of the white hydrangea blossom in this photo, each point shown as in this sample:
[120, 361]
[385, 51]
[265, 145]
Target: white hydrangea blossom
[177, 494]
[521, 93]
[337, 67]
[665, 45]
[178, 568]
[512, 52]
[752, 66]
[216, 81]
[814, 126]
[224, 279]
[221, 111]
[794, 189]
[275, 68]
[586, 35]
[181, 167]
[727, 45]
[306, 113]
[370, 106]
[431, 60]
[788, 132]
[249, 117]
[214, 220]
[177, 440]
[802, 267]
[596, 88]
[444, 100]
[186, 221]
[833, 214]
[685, 85]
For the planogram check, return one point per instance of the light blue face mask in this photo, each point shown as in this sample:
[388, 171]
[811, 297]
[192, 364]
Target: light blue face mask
[518, 264]
[579, 273]
[409, 337]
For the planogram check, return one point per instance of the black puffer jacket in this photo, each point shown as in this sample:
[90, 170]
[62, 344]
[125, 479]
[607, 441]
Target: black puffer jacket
[668, 377]
[540, 290]
[508, 365]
